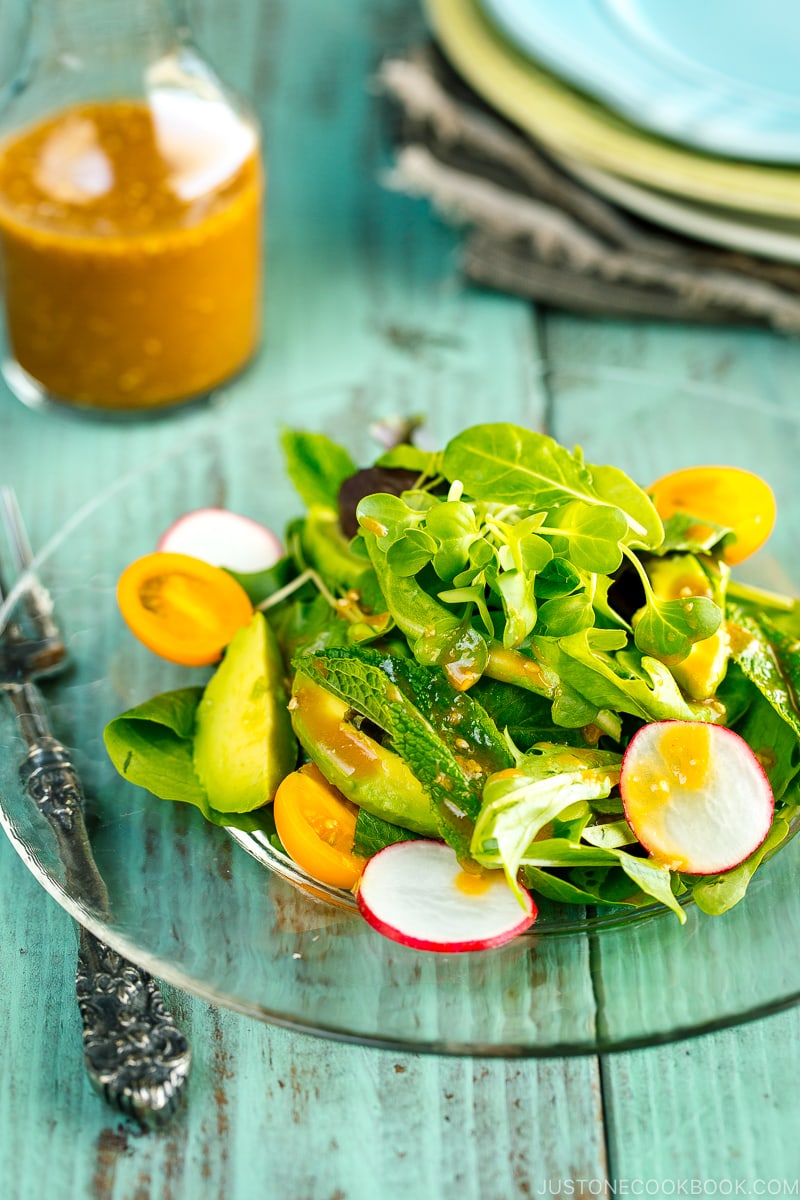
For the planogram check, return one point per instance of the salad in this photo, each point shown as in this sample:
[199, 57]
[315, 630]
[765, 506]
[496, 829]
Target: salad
[479, 680]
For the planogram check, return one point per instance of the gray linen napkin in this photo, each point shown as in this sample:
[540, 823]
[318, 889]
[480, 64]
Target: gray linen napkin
[533, 230]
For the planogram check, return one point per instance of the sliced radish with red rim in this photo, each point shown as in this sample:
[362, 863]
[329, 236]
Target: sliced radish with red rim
[695, 795]
[224, 539]
[416, 893]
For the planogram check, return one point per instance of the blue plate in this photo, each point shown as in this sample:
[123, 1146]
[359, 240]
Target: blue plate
[720, 75]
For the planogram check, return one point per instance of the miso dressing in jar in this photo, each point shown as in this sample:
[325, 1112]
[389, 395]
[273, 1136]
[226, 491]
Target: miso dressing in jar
[130, 233]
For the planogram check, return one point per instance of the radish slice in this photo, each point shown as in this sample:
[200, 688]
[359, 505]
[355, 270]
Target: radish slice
[417, 894]
[695, 795]
[224, 539]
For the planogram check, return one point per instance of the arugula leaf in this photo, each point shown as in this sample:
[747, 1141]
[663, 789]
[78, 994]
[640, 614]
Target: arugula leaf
[589, 536]
[151, 746]
[316, 465]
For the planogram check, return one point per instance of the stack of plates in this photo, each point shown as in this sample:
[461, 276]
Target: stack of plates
[685, 113]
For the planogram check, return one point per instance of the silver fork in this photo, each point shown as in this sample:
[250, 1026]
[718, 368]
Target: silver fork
[135, 1055]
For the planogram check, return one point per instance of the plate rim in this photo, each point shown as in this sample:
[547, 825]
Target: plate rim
[733, 118]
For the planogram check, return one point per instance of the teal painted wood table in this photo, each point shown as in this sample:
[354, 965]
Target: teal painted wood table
[366, 317]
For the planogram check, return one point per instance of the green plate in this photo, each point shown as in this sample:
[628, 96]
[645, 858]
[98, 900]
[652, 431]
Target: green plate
[574, 126]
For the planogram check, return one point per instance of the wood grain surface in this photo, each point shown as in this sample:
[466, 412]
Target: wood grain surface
[364, 298]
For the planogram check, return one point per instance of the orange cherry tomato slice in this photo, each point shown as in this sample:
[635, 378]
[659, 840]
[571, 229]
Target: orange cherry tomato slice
[317, 825]
[181, 608]
[728, 496]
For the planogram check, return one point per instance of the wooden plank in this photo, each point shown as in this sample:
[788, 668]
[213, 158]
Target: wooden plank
[295, 1116]
[365, 317]
[717, 1110]
[711, 1112]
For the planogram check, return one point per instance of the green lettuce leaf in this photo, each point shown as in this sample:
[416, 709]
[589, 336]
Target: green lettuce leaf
[518, 804]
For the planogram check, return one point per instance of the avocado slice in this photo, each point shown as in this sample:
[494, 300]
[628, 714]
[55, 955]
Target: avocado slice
[243, 741]
[368, 774]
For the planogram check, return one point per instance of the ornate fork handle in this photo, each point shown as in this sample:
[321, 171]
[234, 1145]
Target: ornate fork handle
[135, 1055]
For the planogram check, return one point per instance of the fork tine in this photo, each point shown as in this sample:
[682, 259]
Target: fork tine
[37, 598]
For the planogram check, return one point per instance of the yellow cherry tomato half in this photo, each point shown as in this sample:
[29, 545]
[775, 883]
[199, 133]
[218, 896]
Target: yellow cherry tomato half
[317, 825]
[181, 608]
[728, 496]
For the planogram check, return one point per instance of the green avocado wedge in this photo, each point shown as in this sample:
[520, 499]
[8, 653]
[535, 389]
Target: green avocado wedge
[243, 741]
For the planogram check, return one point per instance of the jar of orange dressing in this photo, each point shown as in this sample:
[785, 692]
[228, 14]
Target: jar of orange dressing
[131, 186]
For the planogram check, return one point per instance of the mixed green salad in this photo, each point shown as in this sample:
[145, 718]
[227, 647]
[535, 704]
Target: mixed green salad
[461, 645]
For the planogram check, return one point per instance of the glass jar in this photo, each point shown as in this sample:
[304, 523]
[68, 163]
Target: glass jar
[131, 188]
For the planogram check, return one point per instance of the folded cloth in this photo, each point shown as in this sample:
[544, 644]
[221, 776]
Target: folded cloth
[535, 231]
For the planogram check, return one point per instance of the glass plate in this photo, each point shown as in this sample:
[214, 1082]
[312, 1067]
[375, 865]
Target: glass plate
[186, 900]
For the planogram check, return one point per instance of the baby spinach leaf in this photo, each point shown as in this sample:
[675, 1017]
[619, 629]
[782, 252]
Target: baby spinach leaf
[610, 886]
[261, 584]
[669, 628]
[411, 458]
[151, 746]
[588, 535]
[320, 544]
[508, 464]
[774, 742]
[645, 530]
[565, 615]
[523, 715]
[316, 466]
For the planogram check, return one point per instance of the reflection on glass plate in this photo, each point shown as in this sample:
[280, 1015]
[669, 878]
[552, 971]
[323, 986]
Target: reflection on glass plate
[188, 903]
